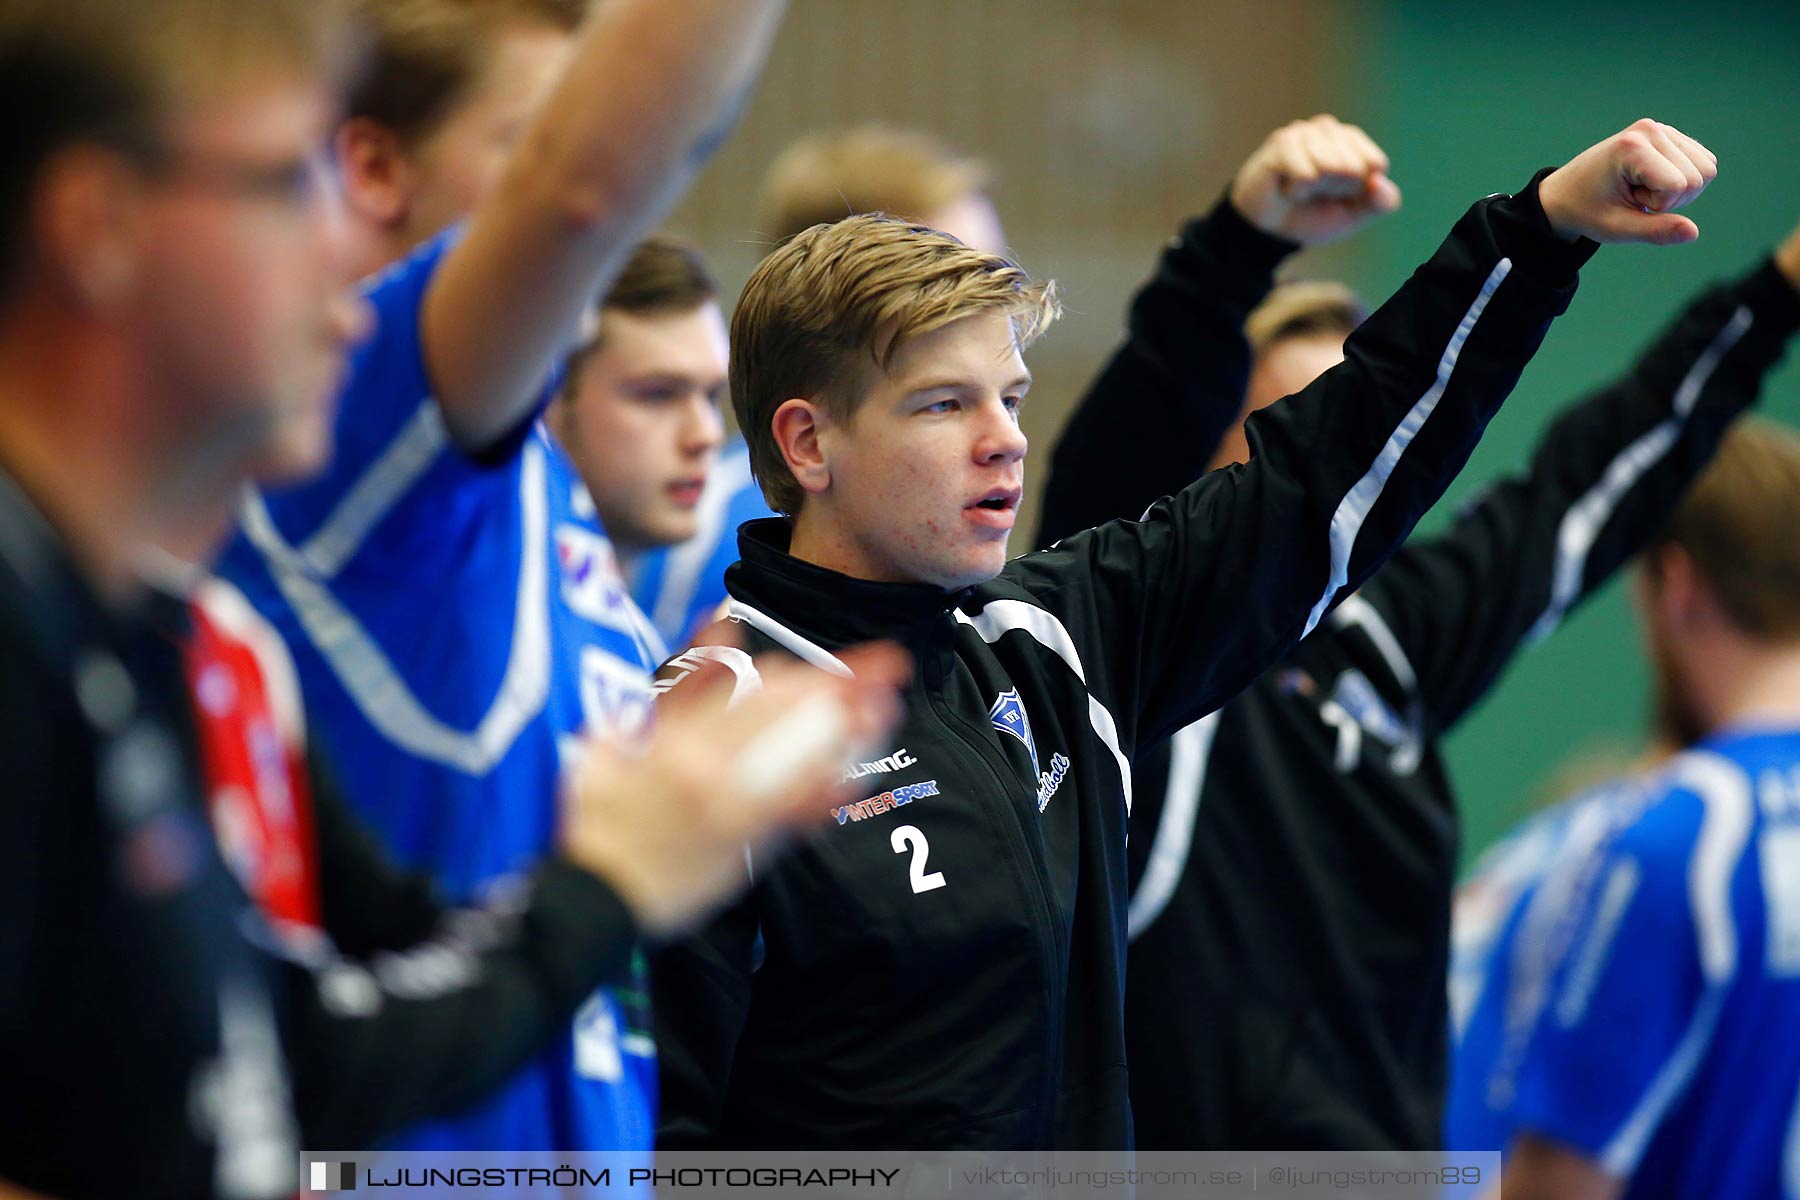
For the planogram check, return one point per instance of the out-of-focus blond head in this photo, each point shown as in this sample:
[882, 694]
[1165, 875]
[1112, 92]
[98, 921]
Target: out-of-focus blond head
[825, 177]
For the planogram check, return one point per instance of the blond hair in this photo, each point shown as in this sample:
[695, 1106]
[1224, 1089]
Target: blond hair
[114, 74]
[428, 53]
[839, 300]
[1306, 308]
[826, 177]
[1738, 525]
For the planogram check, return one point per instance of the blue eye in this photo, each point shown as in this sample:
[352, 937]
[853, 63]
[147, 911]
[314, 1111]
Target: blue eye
[941, 406]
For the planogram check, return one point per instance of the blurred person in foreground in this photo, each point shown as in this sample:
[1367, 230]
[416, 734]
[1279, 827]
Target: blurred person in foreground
[452, 609]
[172, 320]
[821, 177]
[975, 902]
[1298, 848]
[1628, 1028]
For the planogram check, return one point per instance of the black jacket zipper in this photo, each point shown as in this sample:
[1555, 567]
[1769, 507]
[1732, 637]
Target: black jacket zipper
[1055, 966]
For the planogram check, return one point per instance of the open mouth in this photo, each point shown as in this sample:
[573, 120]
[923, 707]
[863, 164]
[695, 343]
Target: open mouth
[686, 491]
[998, 509]
[998, 500]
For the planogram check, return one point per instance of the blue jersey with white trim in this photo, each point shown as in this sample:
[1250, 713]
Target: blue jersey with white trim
[1492, 944]
[457, 622]
[682, 587]
[1649, 1012]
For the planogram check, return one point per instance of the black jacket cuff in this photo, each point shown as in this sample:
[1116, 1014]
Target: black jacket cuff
[1524, 235]
[587, 935]
[1223, 238]
[1774, 300]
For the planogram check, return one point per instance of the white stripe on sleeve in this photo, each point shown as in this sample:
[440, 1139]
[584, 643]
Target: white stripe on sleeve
[1354, 509]
[1582, 524]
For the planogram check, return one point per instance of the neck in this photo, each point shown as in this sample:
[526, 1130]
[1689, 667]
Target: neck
[821, 543]
[378, 247]
[816, 543]
[77, 433]
[1752, 684]
[193, 538]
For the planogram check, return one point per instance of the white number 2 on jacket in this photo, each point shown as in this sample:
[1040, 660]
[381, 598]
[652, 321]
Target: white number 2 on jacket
[908, 837]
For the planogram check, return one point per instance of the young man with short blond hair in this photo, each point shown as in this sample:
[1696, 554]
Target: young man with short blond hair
[976, 916]
[818, 178]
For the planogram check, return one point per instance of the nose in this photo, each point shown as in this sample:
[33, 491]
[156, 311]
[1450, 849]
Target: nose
[703, 431]
[349, 318]
[1000, 440]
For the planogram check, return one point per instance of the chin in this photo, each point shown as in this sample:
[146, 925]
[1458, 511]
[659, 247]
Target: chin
[978, 568]
[297, 439]
[657, 535]
[294, 459]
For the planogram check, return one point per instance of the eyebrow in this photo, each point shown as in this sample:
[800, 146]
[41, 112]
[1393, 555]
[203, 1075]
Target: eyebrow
[701, 378]
[1019, 383]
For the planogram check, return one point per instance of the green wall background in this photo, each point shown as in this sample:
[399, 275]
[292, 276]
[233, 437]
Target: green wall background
[1472, 99]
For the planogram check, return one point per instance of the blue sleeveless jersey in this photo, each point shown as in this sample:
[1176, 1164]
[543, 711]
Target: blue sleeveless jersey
[457, 622]
[1638, 996]
[681, 587]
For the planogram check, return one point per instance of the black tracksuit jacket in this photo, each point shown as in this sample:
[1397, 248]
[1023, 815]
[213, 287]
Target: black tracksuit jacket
[157, 1039]
[943, 967]
[1294, 853]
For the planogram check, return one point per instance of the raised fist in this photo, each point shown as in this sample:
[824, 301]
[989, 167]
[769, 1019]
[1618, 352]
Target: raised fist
[1314, 181]
[1626, 188]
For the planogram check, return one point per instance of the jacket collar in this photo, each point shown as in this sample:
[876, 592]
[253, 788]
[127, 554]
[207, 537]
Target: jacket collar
[824, 606]
[42, 586]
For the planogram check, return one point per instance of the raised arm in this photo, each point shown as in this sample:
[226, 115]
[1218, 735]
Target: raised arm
[1602, 482]
[1189, 604]
[651, 89]
[1182, 371]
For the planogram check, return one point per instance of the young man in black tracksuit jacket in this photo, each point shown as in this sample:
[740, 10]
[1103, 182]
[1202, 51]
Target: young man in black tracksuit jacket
[944, 966]
[1295, 851]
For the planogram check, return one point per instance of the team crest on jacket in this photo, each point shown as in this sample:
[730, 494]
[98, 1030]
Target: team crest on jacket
[1008, 716]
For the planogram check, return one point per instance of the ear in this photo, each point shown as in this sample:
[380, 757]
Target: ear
[560, 413]
[796, 429]
[86, 221]
[1679, 593]
[377, 172]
